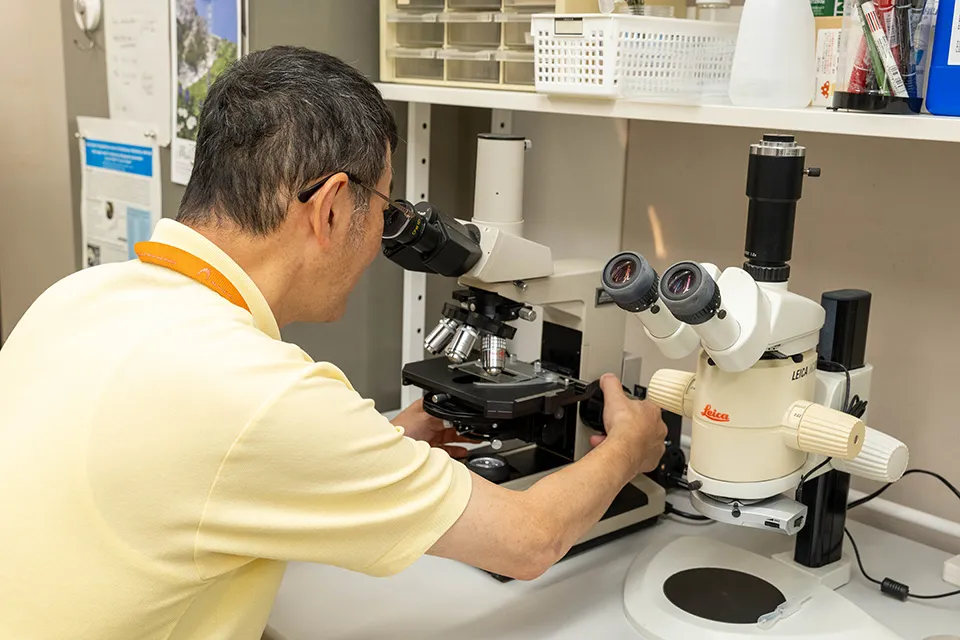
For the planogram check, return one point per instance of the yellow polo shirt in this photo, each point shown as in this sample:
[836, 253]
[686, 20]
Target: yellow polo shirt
[163, 455]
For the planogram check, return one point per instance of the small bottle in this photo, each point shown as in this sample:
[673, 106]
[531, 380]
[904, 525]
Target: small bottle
[714, 10]
[774, 64]
[943, 83]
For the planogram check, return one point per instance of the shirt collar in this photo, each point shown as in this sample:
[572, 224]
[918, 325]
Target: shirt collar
[178, 235]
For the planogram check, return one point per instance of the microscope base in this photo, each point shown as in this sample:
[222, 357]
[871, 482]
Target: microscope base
[638, 507]
[833, 576]
[697, 587]
[593, 543]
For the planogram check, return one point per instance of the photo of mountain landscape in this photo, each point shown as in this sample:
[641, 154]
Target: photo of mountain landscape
[207, 41]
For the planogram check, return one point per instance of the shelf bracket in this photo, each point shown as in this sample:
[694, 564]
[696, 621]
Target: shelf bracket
[502, 121]
[415, 284]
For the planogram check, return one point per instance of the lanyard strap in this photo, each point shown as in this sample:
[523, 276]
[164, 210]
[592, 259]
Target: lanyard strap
[184, 262]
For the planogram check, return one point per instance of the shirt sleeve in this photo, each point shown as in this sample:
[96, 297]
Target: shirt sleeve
[321, 476]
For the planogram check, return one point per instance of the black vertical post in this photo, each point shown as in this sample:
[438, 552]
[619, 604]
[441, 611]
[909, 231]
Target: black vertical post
[820, 542]
[842, 341]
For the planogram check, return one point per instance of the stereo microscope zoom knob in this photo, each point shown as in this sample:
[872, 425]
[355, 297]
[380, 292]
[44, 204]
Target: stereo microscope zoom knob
[825, 431]
[672, 390]
[883, 458]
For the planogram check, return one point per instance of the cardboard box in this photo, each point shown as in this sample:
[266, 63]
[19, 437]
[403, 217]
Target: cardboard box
[828, 60]
[827, 8]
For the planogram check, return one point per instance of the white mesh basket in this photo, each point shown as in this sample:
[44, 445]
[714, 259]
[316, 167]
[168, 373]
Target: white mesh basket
[634, 57]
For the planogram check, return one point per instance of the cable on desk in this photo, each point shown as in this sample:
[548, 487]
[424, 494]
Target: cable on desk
[889, 586]
[879, 492]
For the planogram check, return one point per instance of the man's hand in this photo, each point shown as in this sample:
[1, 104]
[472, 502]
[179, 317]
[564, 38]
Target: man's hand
[521, 533]
[420, 425]
[632, 425]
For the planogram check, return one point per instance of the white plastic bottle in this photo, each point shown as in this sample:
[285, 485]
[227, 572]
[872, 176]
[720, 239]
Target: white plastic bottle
[774, 65]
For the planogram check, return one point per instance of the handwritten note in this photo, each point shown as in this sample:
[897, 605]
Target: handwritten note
[138, 62]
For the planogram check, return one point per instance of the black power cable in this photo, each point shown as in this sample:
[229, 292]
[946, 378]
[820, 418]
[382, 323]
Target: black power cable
[879, 492]
[807, 476]
[889, 586]
[857, 407]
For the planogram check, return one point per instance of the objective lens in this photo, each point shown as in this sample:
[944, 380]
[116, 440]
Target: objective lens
[681, 282]
[493, 354]
[441, 335]
[623, 271]
[462, 344]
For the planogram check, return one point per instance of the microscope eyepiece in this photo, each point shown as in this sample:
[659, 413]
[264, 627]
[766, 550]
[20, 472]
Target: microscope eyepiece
[420, 238]
[690, 293]
[397, 218]
[632, 283]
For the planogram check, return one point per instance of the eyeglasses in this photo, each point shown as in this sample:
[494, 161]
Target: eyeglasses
[395, 217]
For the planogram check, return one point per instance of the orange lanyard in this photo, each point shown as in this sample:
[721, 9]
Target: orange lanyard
[164, 255]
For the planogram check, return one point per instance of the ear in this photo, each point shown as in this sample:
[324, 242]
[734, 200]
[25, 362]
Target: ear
[326, 211]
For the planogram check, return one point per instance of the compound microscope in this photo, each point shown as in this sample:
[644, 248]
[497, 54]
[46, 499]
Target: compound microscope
[522, 347]
[776, 431]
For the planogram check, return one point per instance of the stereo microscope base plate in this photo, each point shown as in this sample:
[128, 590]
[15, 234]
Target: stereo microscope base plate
[825, 615]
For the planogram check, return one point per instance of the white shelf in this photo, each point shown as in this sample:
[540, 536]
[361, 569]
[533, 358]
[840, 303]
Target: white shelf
[817, 120]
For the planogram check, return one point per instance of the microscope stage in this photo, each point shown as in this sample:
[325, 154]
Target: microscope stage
[517, 392]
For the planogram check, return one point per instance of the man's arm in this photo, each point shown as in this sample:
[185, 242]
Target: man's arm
[520, 534]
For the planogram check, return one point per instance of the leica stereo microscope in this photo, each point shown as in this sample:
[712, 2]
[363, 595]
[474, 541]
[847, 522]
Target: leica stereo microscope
[523, 342]
[776, 431]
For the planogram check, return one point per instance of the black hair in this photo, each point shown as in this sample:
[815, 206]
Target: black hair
[275, 121]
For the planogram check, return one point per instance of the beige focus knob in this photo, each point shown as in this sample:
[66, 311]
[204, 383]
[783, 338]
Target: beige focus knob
[672, 390]
[817, 429]
[883, 458]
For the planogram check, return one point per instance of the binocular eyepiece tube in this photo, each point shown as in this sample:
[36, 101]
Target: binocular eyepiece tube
[635, 286]
[693, 297]
[678, 311]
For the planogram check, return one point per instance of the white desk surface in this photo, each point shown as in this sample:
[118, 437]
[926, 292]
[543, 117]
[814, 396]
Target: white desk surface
[577, 599]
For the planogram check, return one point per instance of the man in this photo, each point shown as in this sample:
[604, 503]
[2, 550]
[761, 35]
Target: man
[163, 453]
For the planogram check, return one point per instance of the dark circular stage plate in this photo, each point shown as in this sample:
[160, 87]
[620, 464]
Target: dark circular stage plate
[722, 595]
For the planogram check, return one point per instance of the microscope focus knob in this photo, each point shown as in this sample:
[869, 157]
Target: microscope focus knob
[883, 458]
[672, 390]
[818, 429]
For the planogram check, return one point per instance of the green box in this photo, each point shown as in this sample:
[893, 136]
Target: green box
[827, 8]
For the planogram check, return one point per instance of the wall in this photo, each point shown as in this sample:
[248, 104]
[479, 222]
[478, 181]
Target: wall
[364, 346]
[882, 218]
[37, 245]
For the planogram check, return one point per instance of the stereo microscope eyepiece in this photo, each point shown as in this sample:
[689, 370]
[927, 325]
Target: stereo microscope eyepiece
[693, 297]
[690, 293]
[632, 283]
